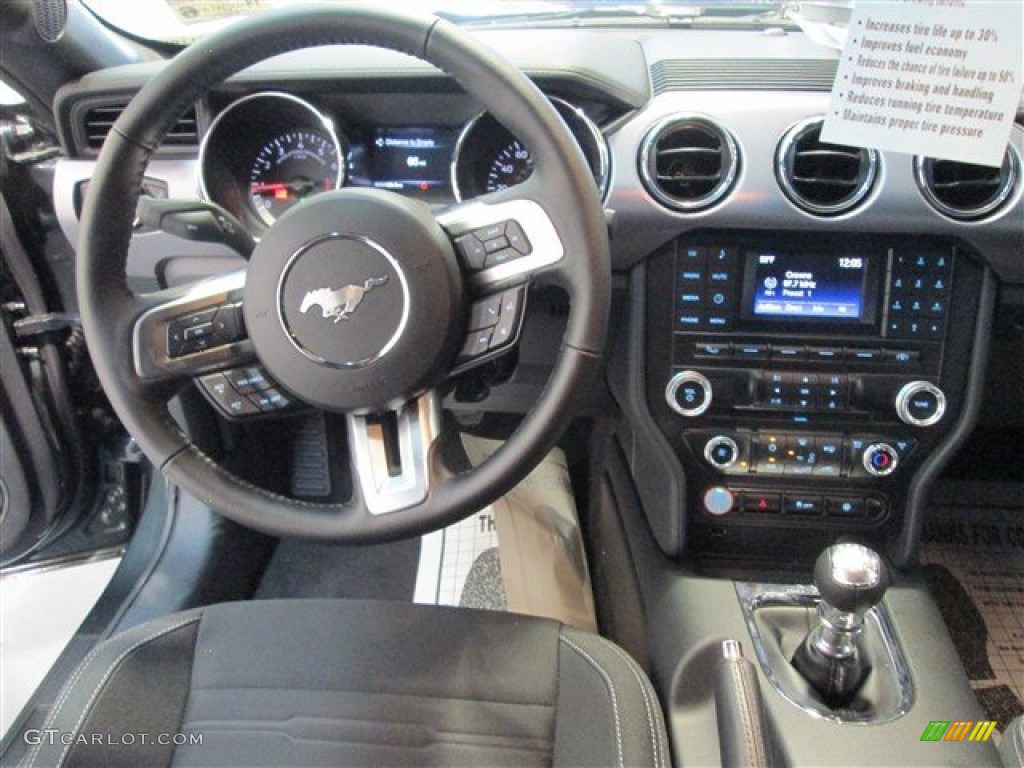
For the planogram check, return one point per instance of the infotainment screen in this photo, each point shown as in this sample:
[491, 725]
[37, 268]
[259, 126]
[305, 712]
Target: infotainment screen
[413, 161]
[802, 286]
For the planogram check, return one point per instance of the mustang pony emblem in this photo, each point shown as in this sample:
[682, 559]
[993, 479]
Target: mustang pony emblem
[340, 303]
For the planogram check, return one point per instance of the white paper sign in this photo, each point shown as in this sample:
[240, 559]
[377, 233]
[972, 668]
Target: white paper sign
[939, 78]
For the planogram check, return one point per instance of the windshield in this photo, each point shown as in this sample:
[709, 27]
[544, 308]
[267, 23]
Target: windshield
[183, 21]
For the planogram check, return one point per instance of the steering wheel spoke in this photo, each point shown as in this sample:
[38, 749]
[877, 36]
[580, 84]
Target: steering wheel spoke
[502, 239]
[390, 454]
[191, 331]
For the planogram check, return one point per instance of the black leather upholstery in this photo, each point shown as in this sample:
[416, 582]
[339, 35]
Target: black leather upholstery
[326, 682]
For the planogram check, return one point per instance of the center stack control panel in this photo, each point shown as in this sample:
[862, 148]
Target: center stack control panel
[801, 383]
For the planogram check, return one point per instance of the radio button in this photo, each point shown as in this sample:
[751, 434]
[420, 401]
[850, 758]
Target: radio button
[720, 298]
[825, 354]
[920, 404]
[788, 353]
[723, 257]
[719, 322]
[692, 256]
[904, 358]
[864, 355]
[691, 275]
[688, 393]
[751, 351]
[712, 351]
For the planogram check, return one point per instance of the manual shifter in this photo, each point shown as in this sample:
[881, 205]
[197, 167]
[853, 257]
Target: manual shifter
[851, 580]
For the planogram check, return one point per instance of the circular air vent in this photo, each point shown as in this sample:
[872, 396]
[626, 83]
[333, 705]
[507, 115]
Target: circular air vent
[688, 163]
[964, 191]
[823, 179]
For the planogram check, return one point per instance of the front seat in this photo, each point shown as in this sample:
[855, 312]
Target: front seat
[333, 682]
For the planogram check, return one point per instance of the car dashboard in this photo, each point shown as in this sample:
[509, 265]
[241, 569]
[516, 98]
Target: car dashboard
[802, 325]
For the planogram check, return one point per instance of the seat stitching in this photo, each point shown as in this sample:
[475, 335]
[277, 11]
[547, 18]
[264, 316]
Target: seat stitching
[611, 690]
[69, 686]
[644, 685]
[110, 670]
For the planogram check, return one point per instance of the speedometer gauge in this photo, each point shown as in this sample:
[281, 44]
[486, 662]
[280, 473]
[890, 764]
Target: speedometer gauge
[291, 167]
[512, 166]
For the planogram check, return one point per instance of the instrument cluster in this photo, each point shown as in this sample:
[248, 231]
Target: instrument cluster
[267, 152]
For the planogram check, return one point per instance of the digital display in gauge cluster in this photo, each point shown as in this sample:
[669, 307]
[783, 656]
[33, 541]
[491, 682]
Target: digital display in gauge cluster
[413, 161]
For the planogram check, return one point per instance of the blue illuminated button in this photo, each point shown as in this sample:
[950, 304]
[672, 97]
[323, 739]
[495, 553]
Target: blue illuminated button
[846, 506]
[799, 504]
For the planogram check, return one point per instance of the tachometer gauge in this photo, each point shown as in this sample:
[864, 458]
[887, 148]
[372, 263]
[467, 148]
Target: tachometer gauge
[291, 167]
[513, 165]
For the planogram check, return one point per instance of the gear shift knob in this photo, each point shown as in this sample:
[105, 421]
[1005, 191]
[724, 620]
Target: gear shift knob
[851, 578]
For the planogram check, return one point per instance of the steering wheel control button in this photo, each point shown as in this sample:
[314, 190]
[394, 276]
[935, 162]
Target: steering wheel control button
[517, 238]
[880, 459]
[227, 323]
[719, 501]
[248, 380]
[920, 404]
[175, 338]
[507, 329]
[472, 251]
[270, 400]
[493, 245]
[688, 393]
[220, 392]
[485, 313]
[721, 451]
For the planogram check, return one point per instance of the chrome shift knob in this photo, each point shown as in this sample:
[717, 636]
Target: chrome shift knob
[851, 578]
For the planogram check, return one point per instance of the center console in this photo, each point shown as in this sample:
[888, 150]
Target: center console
[802, 382]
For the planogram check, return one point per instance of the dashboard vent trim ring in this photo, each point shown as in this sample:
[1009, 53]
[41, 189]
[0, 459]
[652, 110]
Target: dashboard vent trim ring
[688, 162]
[820, 178]
[96, 120]
[967, 192]
[669, 75]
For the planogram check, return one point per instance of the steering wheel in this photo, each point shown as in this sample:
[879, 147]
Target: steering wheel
[357, 301]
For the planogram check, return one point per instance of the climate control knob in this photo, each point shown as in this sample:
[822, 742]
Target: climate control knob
[880, 459]
[688, 393]
[721, 451]
[920, 404]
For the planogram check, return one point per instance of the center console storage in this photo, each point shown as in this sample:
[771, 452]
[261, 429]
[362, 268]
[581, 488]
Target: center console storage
[802, 383]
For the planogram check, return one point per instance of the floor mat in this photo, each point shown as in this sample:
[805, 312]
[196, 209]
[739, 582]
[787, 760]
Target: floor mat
[973, 561]
[524, 553]
[372, 572]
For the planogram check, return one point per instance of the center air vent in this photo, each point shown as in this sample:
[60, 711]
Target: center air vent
[688, 162]
[963, 191]
[823, 179]
[98, 119]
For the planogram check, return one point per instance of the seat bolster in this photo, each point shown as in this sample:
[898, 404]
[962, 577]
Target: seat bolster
[84, 717]
[1011, 748]
[608, 713]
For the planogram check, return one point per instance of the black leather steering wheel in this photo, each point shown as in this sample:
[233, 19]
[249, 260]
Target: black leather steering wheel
[400, 339]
